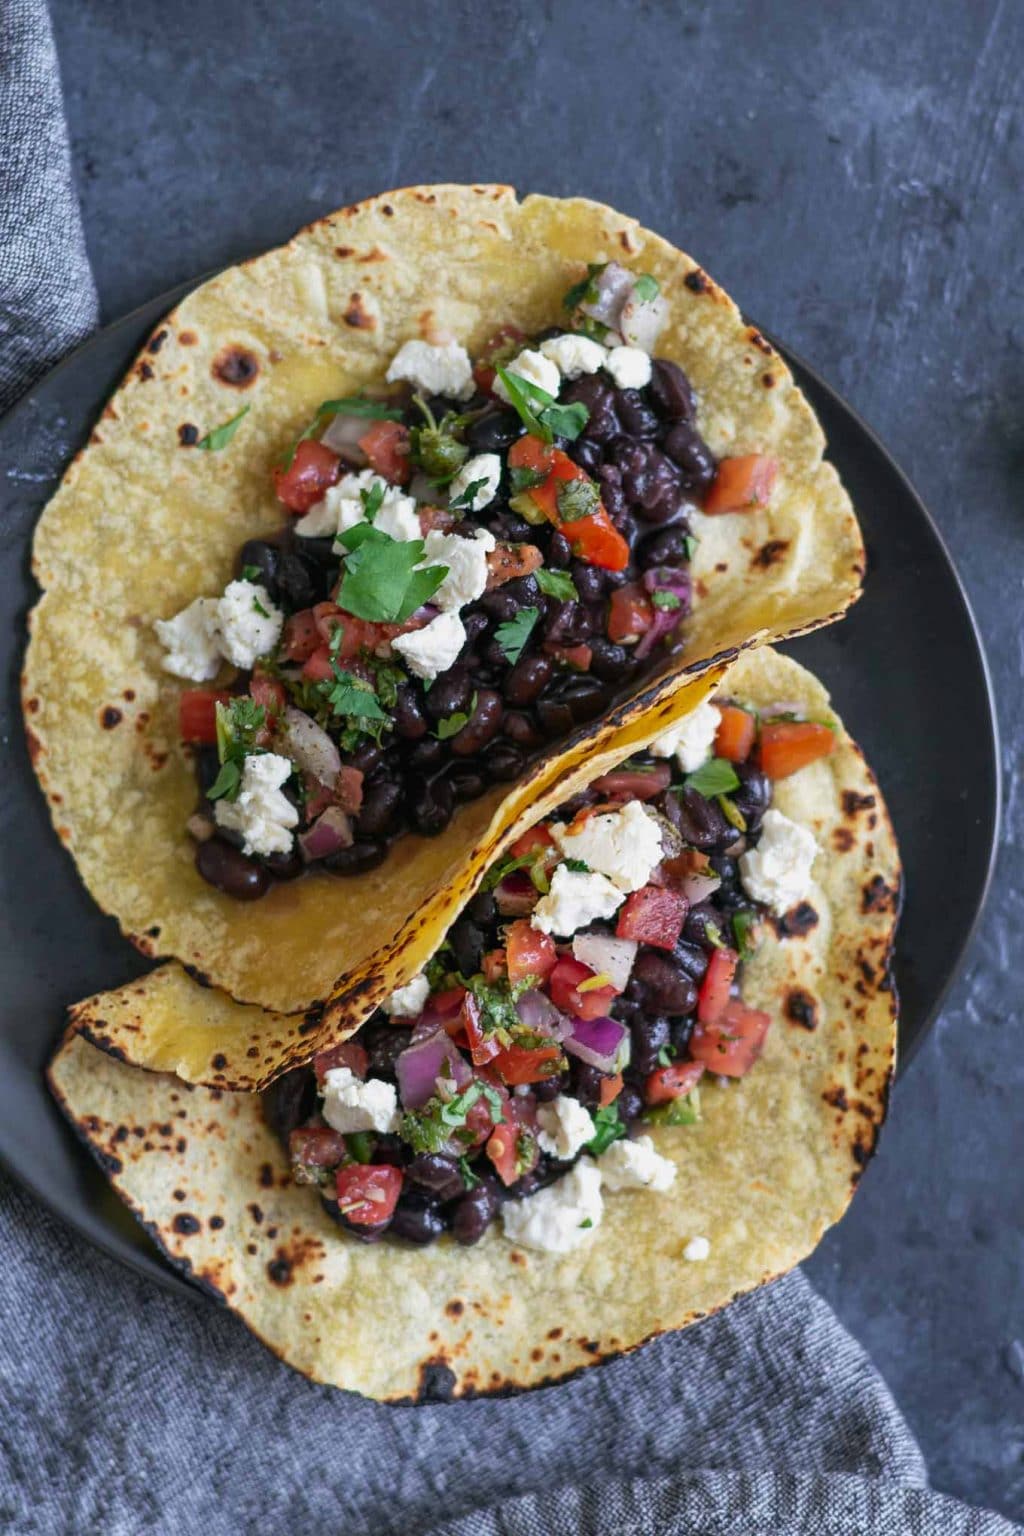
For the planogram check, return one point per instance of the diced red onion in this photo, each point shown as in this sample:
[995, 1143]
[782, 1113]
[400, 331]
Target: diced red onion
[420, 1065]
[433, 1018]
[606, 956]
[641, 321]
[669, 578]
[634, 783]
[697, 888]
[516, 895]
[598, 1041]
[309, 745]
[538, 1013]
[612, 288]
[782, 707]
[331, 832]
[342, 436]
[664, 623]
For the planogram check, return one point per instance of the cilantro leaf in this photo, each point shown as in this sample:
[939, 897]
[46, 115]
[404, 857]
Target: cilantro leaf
[646, 288]
[372, 500]
[350, 696]
[576, 499]
[691, 541]
[259, 608]
[359, 405]
[663, 598]
[577, 866]
[520, 394]
[523, 479]
[566, 420]
[238, 723]
[251, 573]
[667, 1055]
[743, 922]
[716, 777]
[466, 498]
[609, 1128]
[227, 783]
[454, 723]
[220, 436]
[381, 582]
[585, 289]
[514, 633]
[556, 584]
[469, 1178]
[682, 1111]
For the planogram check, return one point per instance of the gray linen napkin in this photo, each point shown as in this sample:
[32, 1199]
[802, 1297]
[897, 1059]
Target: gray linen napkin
[125, 1409]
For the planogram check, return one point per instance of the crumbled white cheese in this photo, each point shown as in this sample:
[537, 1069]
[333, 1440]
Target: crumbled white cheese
[351, 1105]
[573, 901]
[191, 641]
[482, 466]
[561, 1217]
[342, 506]
[778, 870]
[261, 814]
[435, 370]
[691, 740]
[408, 1002]
[636, 1165]
[614, 957]
[565, 1127]
[466, 560]
[248, 622]
[399, 519]
[573, 355]
[535, 368]
[629, 367]
[433, 649]
[624, 845]
[697, 1250]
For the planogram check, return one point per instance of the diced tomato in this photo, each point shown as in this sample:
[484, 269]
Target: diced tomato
[316, 1146]
[560, 471]
[609, 1090]
[634, 783]
[742, 483]
[267, 692]
[530, 952]
[597, 540]
[674, 872]
[386, 445]
[482, 1048]
[672, 1082]
[480, 1121]
[368, 1192]
[564, 984]
[313, 469]
[197, 714]
[300, 637]
[318, 667]
[653, 915]
[735, 735]
[531, 841]
[494, 965]
[526, 1064]
[505, 342]
[348, 1054]
[714, 989]
[733, 1042]
[348, 789]
[512, 1151]
[594, 538]
[531, 453]
[507, 562]
[631, 614]
[578, 657]
[447, 1002]
[788, 745]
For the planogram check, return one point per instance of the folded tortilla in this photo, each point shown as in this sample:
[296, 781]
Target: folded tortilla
[143, 523]
[770, 1166]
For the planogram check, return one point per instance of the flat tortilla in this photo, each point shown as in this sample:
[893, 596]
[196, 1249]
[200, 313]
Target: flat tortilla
[771, 1165]
[143, 523]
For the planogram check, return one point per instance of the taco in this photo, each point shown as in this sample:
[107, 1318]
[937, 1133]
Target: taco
[424, 505]
[642, 1075]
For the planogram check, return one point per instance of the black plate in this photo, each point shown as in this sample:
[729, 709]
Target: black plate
[908, 660]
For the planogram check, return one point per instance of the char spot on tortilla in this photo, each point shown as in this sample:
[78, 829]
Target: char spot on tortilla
[236, 365]
[837, 1097]
[157, 341]
[280, 1269]
[188, 434]
[854, 802]
[437, 1382]
[357, 315]
[770, 553]
[797, 921]
[145, 371]
[186, 1224]
[188, 338]
[878, 896]
[216, 1222]
[344, 251]
[110, 717]
[842, 839]
[266, 1176]
[697, 281]
[801, 1008]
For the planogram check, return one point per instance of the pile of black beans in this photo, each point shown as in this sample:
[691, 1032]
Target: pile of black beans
[643, 448]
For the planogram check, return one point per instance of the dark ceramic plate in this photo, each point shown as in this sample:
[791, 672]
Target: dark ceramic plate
[909, 649]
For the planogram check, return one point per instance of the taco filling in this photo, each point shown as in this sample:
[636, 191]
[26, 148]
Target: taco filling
[588, 991]
[480, 555]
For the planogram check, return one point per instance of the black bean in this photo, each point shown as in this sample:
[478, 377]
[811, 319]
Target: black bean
[450, 693]
[496, 430]
[688, 449]
[230, 871]
[289, 1101]
[699, 822]
[609, 662]
[669, 988]
[416, 1220]
[554, 717]
[503, 761]
[286, 866]
[559, 552]
[692, 958]
[207, 763]
[672, 391]
[367, 758]
[520, 728]
[466, 942]
[426, 754]
[410, 721]
[682, 1029]
[547, 1089]
[320, 551]
[637, 417]
[630, 1104]
[468, 780]
[527, 678]
[507, 526]
[650, 1034]
[381, 805]
[704, 926]
[599, 399]
[383, 1044]
[524, 591]
[726, 869]
[589, 581]
[665, 547]
[475, 1212]
[265, 557]
[300, 580]
[362, 1234]
[483, 724]
[476, 626]
[613, 496]
[436, 1174]
[753, 797]
[500, 606]
[357, 858]
[482, 909]
[586, 698]
[567, 623]
[586, 453]
[430, 804]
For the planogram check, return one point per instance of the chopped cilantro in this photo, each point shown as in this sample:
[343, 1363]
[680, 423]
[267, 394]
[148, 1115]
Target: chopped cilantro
[514, 633]
[663, 598]
[743, 923]
[540, 412]
[646, 288]
[608, 1128]
[716, 777]
[667, 1055]
[585, 290]
[577, 866]
[351, 697]
[588, 1221]
[523, 479]
[691, 541]
[558, 584]
[465, 499]
[238, 723]
[469, 1178]
[351, 405]
[219, 438]
[681, 1111]
[251, 573]
[359, 1145]
[372, 500]
[454, 723]
[259, 608]
[566, 420]
[576, 499]
[381, 581]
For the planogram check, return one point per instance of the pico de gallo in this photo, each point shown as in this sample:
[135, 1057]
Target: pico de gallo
[478, 556]
[592, 988]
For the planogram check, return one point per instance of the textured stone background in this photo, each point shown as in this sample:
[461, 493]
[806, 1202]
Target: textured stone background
[853, 175]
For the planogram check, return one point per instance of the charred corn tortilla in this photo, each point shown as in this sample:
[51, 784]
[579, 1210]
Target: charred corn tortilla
[770, 1166]
[143, 523]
